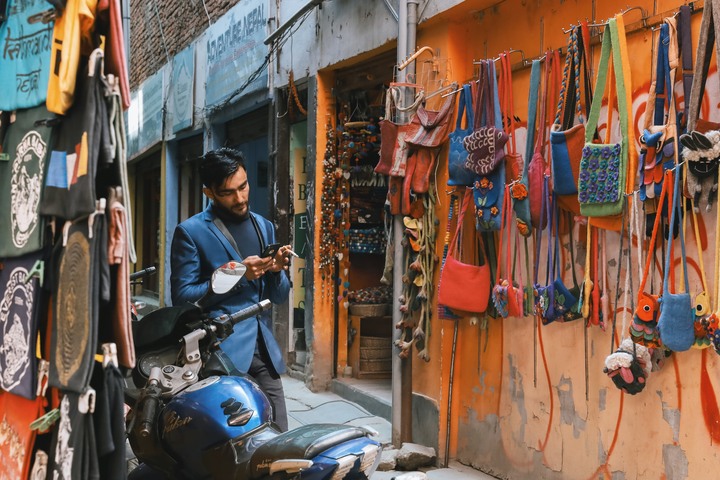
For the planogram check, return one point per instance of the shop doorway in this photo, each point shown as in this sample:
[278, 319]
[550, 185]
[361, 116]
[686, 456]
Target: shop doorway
[363, 334]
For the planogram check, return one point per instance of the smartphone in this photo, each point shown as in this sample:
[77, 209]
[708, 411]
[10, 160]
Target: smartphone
[270, 250]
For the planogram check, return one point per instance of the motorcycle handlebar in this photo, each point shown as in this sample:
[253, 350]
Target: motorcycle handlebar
[250, 311]
[224, 323]
[142, 273]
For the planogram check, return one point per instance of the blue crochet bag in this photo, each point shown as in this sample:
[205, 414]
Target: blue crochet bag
[677, 315]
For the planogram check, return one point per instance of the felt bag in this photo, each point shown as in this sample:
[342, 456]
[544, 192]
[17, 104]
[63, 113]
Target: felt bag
[485, 147]
[393, 149]
[516, 165]
[537, 168]
[643, 329]
[508, 295]
[488, 190]
[463, 286]
[458, 175]
[603, 167]
[430, 128]
[567, 138]
[567, 306]
[677, 316]
[21, 304]
[26, 148]
[543, 302]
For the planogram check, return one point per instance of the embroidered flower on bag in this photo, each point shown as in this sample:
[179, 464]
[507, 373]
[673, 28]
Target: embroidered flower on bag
[519, 192]
[494, 210]
[605, 152]
[486, 183]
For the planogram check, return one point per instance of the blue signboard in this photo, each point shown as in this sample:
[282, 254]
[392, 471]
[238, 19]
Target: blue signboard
[236, 52]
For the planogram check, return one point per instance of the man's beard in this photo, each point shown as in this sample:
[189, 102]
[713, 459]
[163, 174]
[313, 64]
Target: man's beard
[232, 214]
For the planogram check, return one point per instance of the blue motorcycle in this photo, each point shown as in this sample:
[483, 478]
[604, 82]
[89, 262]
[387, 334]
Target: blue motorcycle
[194, 417]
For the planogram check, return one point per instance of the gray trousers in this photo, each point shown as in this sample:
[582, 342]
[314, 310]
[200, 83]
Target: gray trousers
[265, 375]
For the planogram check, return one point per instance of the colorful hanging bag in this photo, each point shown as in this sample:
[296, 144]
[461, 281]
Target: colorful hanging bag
[464, 286]
[677, 316]
[458, 175]
[603, 167]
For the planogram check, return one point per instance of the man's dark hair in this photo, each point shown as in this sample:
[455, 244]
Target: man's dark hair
[217, 165]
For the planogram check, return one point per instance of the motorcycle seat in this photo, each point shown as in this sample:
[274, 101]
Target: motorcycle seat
[305, 442]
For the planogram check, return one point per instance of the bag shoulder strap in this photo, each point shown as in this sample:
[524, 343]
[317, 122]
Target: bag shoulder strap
[532, 110]
[653, 236]
[467, 199]
[685, 43]
[676, 209]
[708, 36]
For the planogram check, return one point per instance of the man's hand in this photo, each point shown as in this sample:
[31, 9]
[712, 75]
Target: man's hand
[257, 266]
[281, 260]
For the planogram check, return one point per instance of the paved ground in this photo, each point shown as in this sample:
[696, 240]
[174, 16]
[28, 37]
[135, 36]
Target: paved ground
[305, 407]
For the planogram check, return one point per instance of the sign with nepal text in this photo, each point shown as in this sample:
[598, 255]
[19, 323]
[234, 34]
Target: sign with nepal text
[236, 52]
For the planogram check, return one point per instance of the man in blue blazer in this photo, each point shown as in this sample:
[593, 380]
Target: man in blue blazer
[227, 230]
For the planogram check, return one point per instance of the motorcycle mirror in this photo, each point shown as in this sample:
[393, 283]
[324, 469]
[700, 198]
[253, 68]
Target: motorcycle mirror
[226, 277]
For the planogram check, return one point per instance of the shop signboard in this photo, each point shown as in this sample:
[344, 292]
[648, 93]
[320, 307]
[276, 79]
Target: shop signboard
[298, 156]
[236, 52]
[145, 116]
[183, 84]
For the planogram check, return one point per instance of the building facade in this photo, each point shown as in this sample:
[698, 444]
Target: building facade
[292, 83]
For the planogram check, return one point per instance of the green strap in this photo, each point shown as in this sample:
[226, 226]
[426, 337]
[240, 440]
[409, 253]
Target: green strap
[610, 43]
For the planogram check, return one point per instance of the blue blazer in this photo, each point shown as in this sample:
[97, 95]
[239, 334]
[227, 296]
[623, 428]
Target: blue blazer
[198, 248]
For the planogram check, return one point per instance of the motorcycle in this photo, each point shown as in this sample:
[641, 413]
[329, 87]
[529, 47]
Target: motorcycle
[193, 416]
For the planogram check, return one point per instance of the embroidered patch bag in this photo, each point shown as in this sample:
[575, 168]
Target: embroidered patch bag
[603, 167]
[23, 163]
[488, 190]
[458, 175]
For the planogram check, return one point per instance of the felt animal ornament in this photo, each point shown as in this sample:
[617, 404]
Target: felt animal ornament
[629, 366]
[702, 301]
[656, 156]
[702, 152]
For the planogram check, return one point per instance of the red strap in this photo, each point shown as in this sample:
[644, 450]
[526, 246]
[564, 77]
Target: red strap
[653, 238]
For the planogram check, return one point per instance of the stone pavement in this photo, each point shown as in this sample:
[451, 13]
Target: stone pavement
[305, 407]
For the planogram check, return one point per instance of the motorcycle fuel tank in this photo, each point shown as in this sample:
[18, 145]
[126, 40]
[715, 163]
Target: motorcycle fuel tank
[210, 412]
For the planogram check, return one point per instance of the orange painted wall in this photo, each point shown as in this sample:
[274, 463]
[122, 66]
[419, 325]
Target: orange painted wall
[520, 407]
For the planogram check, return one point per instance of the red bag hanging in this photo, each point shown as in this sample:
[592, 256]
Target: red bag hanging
[464, 286]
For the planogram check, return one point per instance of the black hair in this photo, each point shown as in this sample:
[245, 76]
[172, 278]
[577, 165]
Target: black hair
[217, 165]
